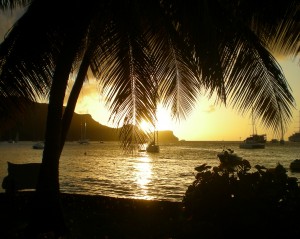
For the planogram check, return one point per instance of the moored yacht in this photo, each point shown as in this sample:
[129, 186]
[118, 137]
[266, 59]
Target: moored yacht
[255, 141]
[295, 137]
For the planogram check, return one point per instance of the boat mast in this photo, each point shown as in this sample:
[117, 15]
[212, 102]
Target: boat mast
[155, 133]
[253, 123]
[84, 129]
[81, 137]
[281, 132]
[281, 126]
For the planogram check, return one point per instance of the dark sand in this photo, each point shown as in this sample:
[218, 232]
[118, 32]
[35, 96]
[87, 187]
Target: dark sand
[90, 217]
[98, 216]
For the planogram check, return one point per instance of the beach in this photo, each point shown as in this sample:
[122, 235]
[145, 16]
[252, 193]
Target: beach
[89, 217]
[97, 216]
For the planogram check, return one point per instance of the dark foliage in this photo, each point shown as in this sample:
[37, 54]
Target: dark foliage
[234, 197]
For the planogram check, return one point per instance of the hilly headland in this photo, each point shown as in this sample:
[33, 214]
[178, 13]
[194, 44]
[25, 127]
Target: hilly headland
[31, 127]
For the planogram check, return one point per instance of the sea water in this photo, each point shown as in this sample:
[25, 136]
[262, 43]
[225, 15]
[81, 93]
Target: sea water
[103, 168]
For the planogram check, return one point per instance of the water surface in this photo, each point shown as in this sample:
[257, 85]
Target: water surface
[104, 169]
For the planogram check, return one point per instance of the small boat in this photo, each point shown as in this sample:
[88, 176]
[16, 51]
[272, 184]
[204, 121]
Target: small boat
[38, 145]
[83, 139]
[276, 141]
[282, 141]
[255, 141]
[295, 137]
[152, 147]
[295, 165]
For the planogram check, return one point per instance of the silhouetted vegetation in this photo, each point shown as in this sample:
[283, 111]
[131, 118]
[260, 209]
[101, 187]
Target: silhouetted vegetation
[233, 197]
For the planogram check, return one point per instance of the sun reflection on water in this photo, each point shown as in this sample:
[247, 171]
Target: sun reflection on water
[143, 175]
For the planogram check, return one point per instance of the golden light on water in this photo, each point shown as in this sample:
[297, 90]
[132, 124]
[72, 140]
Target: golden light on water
[143, 175]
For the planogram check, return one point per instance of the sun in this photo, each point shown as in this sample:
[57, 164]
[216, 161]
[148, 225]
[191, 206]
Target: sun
[146, 126]
[164, 120]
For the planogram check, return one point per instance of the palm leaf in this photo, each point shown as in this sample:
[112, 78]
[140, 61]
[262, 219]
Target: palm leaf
[13, 4]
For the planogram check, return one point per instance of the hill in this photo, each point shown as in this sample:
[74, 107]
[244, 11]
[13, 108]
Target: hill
[31, 127]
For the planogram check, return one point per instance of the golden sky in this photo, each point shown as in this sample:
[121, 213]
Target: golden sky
[206, 122]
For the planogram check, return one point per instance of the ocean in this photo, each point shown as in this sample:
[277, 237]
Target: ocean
[105, 169]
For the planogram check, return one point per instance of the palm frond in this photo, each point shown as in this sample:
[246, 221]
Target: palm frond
[239, 63]
[278, 25]
[21, 77]
[257, 82]
[13, 4]
[179, 85]
[122, 65]
[198, 23]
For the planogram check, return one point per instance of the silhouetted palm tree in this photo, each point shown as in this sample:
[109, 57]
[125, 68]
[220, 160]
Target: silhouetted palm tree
[143, 52]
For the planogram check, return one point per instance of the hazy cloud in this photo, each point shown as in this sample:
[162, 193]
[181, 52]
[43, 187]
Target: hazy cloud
[211, 108]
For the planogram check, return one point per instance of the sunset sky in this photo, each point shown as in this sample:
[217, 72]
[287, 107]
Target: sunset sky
[207, 121]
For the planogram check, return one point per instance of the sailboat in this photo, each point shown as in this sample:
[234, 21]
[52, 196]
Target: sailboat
[153, 147]
[254, 141]
[295, 137]
[83, 139]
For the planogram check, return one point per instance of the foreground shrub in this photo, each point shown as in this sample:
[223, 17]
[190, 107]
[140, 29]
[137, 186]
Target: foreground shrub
[232, 196]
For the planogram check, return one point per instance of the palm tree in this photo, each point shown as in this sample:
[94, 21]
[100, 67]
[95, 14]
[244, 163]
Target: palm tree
[137, 49]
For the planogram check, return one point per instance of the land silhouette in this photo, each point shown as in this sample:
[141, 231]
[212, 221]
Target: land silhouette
[32, 125]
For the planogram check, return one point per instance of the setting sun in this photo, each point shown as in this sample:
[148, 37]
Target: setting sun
[164, 120]
[146, 126]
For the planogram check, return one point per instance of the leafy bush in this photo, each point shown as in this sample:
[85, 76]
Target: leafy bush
[231, 196]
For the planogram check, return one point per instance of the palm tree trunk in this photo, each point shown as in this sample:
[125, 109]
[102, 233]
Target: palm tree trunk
[47, 216]
[69, 110]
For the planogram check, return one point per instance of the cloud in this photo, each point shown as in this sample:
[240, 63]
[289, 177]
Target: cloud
[211, 108]
[90, 101]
